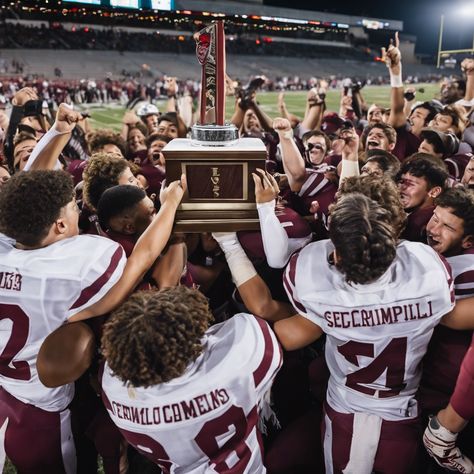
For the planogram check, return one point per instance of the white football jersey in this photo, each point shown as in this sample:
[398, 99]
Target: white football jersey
[377, 333]
[39, 290]
[463, 273]
[206, 420]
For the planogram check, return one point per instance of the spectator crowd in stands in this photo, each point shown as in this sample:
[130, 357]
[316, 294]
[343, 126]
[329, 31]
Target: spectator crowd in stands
[363, 265]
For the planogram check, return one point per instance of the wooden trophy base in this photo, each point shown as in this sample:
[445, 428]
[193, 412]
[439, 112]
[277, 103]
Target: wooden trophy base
[221, 192]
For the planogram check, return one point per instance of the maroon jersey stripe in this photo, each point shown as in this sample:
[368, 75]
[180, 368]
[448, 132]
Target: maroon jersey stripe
[92, 290]
[464, 291]
[466, 277]
[266, 361]
[449, 275]
[289, 280]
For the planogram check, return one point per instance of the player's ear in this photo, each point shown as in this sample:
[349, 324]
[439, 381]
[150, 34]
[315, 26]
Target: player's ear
[467, 242]
[435, 191]
[60, 226]
[128, 227]
[336, 257]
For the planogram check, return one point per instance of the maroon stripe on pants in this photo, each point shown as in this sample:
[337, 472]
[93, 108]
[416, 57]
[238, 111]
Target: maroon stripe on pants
[33, 436]
[341, 426]
[399, 448]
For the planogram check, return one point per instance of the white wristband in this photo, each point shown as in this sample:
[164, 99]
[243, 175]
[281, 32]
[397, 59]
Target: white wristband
[396, 79]
[288, 134]
[270, 204]
[240, 266]
[349, 168]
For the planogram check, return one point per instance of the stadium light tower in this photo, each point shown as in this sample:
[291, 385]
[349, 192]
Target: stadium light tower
[467, 11]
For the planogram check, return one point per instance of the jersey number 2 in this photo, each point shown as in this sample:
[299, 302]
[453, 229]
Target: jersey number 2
[18, 370]
[391, 360]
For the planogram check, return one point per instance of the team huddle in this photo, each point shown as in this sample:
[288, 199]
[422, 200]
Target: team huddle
[336, 339]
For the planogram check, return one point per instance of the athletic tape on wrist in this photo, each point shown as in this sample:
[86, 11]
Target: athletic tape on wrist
[396, 79]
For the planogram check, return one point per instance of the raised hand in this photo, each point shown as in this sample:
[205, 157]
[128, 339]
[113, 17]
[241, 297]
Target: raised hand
[282, 126]
[174, 192]
[266, 187]
[23, 96]
[130, 118]
[171, 86]
[67, 118]
[351, 144]
[467, 66]
[392, 56]
[281, 101]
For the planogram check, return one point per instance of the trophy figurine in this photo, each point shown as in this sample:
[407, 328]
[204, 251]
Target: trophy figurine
[217, 164]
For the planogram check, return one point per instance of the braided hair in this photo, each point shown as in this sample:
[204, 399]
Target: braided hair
[363, 236]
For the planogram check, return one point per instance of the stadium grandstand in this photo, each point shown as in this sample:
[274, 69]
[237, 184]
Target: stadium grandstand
[119, 38]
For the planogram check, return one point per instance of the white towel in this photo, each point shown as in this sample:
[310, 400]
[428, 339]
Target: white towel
[364, 444]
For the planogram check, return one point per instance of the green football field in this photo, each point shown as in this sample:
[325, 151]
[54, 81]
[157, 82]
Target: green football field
[110, 116]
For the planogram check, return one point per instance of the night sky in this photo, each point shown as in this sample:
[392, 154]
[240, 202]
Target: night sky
[421, 17]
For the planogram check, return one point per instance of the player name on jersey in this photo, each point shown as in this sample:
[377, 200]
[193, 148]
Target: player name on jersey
[10, 281]
[379, 316]
[173, 412]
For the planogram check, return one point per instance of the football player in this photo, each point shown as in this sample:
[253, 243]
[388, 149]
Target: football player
[378, 312]
[193, 402]
[50, 275]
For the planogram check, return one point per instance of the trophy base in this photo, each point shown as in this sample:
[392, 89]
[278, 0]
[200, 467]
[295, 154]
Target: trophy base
[212, 221]
[214, 135]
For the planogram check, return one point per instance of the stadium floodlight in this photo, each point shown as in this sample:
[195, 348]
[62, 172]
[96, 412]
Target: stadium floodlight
[467, 10]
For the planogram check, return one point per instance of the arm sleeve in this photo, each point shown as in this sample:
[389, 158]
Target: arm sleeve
[349, 168]
[277, 244]
[275, 239]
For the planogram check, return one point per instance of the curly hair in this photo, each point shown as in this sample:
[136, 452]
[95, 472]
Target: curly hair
[154, 336]
[429, 167]
[31, 202]
[461, 202]
[380, 189]
[102, 172]
[99, 138]
[364, 238]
